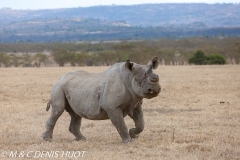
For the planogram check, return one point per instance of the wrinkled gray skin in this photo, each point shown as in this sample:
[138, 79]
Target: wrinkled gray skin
[112, 94]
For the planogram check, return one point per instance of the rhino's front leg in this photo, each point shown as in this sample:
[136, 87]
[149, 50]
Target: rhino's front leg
[116, 116]
[137, 116]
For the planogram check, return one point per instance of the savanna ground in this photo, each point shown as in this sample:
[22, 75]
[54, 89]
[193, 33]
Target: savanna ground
[196, 116]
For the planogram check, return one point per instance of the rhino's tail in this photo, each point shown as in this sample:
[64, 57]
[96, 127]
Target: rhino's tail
[48, 105]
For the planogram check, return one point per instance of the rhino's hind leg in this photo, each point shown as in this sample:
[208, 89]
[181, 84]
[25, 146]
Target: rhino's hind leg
[57, 110]
[75, 124]
[137, 116]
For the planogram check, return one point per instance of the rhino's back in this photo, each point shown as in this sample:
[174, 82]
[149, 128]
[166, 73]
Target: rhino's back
[87, 78]
[80, 82]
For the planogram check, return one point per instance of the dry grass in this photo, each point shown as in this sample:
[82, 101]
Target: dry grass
[197, 116]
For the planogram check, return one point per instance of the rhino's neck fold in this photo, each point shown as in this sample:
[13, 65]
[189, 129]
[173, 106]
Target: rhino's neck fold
[126, 78]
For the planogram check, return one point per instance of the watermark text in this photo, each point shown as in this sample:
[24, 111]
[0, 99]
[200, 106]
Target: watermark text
[42, 154]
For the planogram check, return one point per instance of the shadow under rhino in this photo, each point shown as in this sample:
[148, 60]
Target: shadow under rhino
[164, 111]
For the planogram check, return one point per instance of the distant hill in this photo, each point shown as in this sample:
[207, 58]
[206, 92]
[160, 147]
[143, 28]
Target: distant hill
[119, 22]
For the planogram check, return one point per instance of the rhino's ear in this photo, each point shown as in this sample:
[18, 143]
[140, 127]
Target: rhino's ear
[155, 62]
[129, 65]
[152, 65]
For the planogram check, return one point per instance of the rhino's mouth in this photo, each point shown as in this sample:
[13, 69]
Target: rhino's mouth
[148, 96]
[150, 93]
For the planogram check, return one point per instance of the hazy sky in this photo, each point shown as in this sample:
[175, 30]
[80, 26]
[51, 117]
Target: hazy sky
[45, 4]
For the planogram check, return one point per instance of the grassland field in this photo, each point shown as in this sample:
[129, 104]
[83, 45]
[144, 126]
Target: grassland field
[196, 116]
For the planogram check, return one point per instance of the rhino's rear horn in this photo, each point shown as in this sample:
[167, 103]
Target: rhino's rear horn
[129, 65]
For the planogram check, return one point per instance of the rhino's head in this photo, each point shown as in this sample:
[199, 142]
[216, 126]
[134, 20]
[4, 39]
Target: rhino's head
[144, 82]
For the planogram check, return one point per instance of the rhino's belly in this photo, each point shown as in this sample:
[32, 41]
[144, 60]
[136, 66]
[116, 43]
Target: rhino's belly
[100, 115]
[84, 100]
[88, 108]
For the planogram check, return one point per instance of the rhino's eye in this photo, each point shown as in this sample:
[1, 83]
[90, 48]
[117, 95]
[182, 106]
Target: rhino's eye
[145, 76]
[138, 81]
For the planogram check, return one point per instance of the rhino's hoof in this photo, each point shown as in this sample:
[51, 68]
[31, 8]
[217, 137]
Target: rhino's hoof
[132, 133]
[47, 138]
[127, 140]
[81, 139]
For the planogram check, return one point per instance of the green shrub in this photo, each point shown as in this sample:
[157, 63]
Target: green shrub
[216, 59]
[4, 59]
[199, 58]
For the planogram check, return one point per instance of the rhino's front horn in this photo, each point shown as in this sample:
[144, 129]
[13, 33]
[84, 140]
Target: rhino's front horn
[153, 78]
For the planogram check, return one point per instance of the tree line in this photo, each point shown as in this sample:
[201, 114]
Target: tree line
[170, 52]
[25, 60]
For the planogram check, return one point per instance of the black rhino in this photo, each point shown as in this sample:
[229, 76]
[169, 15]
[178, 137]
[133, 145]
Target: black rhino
[112, 94]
